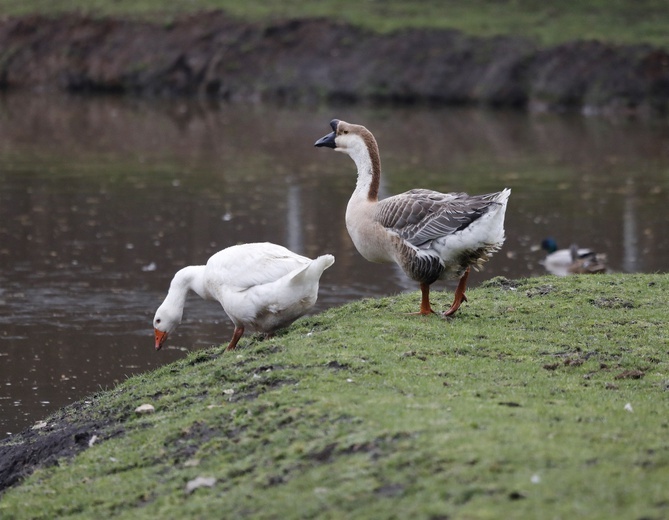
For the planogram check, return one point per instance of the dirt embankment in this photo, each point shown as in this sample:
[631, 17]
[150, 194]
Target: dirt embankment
[69, 432]
[214, 55]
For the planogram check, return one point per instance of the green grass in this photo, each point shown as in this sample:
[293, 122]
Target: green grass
[621, 21]
[514, 409]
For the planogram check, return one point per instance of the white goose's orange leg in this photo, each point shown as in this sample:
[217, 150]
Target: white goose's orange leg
[235, 338]
[459, 295]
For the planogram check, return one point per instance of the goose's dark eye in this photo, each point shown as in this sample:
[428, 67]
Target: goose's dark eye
[158, 320]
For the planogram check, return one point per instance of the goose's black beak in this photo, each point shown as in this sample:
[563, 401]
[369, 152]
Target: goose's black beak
[329, 140]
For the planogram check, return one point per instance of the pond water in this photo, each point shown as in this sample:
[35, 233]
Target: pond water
[102, 200]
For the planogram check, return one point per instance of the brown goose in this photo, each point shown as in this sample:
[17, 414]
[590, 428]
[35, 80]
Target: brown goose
[430, 235]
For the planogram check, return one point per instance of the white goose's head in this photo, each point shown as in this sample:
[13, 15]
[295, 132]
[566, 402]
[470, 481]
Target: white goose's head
[165, 321]
[355, 140]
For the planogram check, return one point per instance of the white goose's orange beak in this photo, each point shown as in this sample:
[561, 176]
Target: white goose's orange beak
[160, 338]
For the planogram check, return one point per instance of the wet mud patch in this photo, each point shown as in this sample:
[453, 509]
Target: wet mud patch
[631, 374]
[336, 365]
[187, 443]
[23, 453]
[374, 448]
[612, 303]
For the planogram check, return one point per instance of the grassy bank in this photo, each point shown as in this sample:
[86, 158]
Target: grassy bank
[620, 21]
[543, 398]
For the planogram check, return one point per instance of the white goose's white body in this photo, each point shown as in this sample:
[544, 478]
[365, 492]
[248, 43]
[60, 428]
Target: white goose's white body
[431, 235]
[263, 286]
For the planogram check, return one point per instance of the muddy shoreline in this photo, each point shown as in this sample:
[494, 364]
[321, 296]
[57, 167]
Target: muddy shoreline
[66, 433]
[317, 60]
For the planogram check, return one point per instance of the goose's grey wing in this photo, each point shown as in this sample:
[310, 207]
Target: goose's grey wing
[421, 216]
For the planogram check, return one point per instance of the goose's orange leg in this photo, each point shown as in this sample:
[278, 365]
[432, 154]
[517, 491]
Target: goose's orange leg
[425, 307]
[459, 295]
[235, 338]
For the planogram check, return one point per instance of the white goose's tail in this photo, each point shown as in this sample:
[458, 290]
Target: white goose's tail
[312, 272]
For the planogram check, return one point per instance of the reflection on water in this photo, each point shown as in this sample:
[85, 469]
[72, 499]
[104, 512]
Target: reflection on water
[102, 200]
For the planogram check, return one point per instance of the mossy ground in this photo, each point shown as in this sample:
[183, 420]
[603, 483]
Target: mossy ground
[619, 21]
[542, 398]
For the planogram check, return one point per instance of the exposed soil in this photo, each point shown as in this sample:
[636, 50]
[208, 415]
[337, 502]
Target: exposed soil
[61, 437]
[214, 55]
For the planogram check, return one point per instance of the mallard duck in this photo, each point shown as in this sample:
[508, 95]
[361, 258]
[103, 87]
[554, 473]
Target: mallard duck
[263, 286]
[430, 235]
[575, 260]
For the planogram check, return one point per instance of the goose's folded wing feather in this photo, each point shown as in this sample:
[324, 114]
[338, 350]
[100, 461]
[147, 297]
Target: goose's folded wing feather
[255, 270]
[420, 216]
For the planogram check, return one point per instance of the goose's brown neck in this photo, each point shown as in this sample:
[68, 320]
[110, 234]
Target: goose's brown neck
[375, 160]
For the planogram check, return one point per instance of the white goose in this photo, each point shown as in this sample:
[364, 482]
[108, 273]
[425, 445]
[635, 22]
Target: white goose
[430, 235]
[263, 286]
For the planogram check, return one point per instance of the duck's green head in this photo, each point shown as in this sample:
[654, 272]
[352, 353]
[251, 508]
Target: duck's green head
[549, 244]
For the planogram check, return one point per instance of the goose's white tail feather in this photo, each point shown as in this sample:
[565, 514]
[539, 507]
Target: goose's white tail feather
[312, 272]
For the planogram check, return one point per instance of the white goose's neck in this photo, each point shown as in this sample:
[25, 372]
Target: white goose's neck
[367, 159]
[189, 278]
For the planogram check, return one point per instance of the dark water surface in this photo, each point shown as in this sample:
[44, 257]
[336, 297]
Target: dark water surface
[102, 200]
